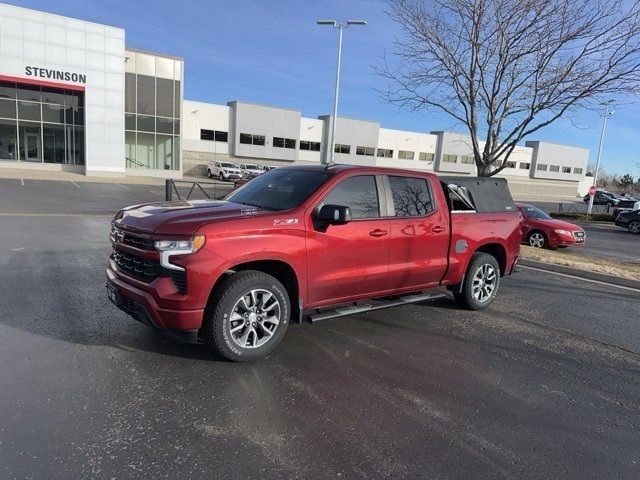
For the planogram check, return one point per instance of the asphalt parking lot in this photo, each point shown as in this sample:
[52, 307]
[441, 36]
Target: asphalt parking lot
[544, 384]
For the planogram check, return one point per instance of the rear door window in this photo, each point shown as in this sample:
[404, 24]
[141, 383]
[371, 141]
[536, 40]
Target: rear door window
[411, 196]
[359, 194]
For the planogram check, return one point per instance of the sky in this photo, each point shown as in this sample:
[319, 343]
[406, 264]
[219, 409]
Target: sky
[272, 52]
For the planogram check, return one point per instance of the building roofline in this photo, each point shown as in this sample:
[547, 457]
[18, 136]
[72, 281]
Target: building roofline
[555, 144]
[155, 54]
[234, 102]
[322, 117]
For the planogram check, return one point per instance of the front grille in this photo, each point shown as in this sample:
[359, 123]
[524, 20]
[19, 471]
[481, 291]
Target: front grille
[137, 267]
[138, 242]
[578, 234]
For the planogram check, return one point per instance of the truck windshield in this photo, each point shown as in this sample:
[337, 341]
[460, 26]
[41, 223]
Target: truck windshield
[533, 212]
[279, 189]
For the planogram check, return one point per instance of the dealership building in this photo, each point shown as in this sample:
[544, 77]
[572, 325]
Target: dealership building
[74, 97]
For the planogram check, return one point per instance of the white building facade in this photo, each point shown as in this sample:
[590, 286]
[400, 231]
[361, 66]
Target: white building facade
[74, 97]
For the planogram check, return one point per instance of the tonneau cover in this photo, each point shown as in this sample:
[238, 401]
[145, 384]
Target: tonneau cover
[488, 194]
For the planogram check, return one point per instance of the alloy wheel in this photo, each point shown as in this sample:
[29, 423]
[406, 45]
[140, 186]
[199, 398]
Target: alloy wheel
[254, 318]
[484, 283]
[536, 240]
[634, 227]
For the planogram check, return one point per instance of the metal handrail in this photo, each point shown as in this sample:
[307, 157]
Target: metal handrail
[170, 187]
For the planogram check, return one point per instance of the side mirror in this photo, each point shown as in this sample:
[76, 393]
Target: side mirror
[332, 215]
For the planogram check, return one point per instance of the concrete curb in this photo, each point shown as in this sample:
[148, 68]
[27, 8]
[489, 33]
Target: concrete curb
[600, 277]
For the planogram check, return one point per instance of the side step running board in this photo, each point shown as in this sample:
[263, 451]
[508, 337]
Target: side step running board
[371, 305]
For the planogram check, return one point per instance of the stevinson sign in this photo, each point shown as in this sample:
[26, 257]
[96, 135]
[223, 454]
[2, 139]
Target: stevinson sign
[51, 74]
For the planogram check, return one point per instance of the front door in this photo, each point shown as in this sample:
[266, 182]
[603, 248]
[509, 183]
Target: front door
[32, 146]
[349, 260]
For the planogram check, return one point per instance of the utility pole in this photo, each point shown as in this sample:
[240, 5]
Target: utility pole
[607, 113]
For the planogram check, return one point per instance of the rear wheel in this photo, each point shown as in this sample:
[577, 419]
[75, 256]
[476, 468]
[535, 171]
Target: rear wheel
[247, 317]
[537, 239]
[221, 177]
[480, 284]
[634, 227]
[209, 174]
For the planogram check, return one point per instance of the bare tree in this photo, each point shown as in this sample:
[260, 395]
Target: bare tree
[507, 68]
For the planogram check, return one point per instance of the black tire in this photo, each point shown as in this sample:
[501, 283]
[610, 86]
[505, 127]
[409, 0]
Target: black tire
[541, 240]
[218, 317]
[466, 297]
[209, 174]
[634, 227]
[221, 177]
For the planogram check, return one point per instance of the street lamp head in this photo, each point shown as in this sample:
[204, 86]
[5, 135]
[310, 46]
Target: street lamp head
[356, 22]
[326, 22]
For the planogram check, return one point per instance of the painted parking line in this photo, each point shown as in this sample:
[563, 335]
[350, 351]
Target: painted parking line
[576, 277]
[22, 181]
[126, 188]
[75, 183]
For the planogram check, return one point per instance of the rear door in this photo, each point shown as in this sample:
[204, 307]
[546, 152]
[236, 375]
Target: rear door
[350, 260]
[419, 242]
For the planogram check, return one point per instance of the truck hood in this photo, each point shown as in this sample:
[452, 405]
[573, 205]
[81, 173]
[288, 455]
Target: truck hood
[180, 217]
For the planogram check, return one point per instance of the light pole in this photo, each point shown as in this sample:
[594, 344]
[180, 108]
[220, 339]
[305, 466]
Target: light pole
[340, 26]
[607, 113]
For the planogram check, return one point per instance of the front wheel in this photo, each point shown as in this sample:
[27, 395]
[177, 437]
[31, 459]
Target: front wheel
[634, 227]
[537, 240]
[247, 317]
[480, 284]
[221, 177]
[209, 174]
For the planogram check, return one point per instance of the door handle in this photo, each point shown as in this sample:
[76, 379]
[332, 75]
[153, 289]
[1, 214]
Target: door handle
[378, 233]
[438, 229]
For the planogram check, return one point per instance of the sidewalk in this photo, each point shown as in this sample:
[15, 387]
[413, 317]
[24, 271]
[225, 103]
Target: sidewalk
[15, 173]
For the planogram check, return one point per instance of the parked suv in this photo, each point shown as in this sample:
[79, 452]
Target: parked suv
[310, 242]
[223, 170]
[603, 198]
[251, 169]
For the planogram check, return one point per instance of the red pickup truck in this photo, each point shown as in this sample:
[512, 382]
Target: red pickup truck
[309, 243]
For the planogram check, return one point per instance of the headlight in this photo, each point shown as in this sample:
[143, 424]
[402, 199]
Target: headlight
[563, 232]
[169, 248]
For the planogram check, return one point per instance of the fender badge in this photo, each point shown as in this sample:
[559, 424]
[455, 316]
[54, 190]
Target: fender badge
[285, 221]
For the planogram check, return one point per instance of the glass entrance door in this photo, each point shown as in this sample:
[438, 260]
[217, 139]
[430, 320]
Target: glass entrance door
[32, 147]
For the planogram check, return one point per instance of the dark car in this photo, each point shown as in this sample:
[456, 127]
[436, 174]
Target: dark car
[629, 220]
[603, 198]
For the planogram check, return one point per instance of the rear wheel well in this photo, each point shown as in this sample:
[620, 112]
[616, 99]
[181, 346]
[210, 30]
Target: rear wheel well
[498, 252]
[280, 270]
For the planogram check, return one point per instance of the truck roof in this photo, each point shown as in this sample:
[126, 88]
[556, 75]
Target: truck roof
[341, 167]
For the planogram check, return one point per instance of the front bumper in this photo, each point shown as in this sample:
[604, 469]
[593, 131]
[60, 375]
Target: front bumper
[182, 325]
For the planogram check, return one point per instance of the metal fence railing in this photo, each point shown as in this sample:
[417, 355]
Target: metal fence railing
[578, 208]
[187, 190]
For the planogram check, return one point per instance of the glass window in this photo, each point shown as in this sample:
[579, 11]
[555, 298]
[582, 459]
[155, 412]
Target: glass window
[368, 151]
[73, 98]
[340, 148]
[221, 136]
[78, 144]
[446, 158]
[468, 159]
[578, 171]
[129, 121]
[30, 135]
[405, 154]
[258, 139]
[130, 92]
[53, 143]
[53, 113]
[542, 167]
[176, 99]
[176, 153]
[52, 95]
[164, 97]
[8, 140]
[29, 92]
[525, 165]
[146, 124]
[425, 157]
[78, 116]
[29, 111]
[532, 212]
[176, 126]
[385, 152]
[278, 142]
[510, 164]
[566, 169]
[307, 145]
[130, 149]
[207, 134]
[279, 189]
[7, 108]
[146, 93]
[246, 138]
[289, 143]
[145, 150]
[554, 168]
[411, 196]
[164, 150]
[359, 194]
[164, 125]
[7, 90]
